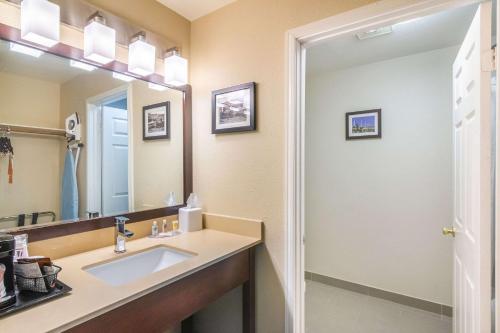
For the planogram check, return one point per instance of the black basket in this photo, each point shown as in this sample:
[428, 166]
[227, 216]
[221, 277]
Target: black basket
[41, 284]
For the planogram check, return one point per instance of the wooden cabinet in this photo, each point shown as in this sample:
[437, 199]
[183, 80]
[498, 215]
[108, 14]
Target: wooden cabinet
[166, 307]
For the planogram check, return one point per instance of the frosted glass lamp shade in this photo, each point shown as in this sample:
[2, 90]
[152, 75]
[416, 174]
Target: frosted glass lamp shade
[141, 58]
[176, 70]
[99, 43]
[40, 22]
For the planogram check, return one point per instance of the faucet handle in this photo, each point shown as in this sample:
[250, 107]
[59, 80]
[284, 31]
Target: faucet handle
[121, 219]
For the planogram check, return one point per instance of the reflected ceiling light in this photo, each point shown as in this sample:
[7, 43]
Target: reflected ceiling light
[141, 56]
[99, 40]
[123, 77]
[372, 33]
[81, 65]
[40, 22]
[176, 68]
[157, 87]
[25, 50]
[408, 21]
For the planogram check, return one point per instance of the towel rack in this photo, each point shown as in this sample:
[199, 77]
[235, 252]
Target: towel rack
[33, 130]
[15, 217]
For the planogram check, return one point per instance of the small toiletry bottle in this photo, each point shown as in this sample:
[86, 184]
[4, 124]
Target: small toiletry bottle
[154, 229]
[164, 226]
[175, 227]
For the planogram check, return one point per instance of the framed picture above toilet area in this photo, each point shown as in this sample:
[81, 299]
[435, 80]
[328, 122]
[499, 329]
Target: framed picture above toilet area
[363, 124]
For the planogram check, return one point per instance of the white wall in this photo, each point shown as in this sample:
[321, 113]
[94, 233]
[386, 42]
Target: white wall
[375, 208]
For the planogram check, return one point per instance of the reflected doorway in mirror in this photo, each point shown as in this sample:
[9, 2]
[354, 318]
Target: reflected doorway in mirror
[109, 186]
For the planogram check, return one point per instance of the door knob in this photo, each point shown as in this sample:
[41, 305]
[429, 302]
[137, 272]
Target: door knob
[449, 232]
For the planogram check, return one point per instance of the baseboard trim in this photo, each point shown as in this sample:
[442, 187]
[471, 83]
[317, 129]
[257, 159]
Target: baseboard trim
[418, 303]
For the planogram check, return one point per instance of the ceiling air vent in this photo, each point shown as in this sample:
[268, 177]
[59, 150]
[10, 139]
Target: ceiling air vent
[372, 33]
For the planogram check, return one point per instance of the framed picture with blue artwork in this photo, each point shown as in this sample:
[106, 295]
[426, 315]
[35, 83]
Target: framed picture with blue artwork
[363, 124]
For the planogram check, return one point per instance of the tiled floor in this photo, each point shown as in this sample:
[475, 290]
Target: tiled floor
[334, 310]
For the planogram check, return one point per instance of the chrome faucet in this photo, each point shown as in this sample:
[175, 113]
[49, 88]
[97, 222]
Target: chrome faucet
[121, 234]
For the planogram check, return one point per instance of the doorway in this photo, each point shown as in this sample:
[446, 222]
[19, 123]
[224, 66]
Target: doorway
[108, 163]
[369, 19]
[377, 191]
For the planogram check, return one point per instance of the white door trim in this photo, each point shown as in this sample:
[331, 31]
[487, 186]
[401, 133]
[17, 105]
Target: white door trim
[94, 138]
[497, 179]
[93, 158]
[385, 12]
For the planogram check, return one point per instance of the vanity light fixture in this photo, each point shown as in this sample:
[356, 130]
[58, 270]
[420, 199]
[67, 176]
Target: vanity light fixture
[25, 50]
[123, 77]
[99, 40]
[81, 65]
[176, 68]
[141, 56]
[157, 87]
[40, 22]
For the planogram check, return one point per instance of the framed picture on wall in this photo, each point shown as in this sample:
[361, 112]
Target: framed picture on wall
[233, 109]
[156, 121]
[363, 124]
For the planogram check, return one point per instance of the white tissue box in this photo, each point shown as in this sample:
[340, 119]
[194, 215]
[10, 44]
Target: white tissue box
[190, 219]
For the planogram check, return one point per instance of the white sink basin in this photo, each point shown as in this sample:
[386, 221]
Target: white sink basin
[130, 268]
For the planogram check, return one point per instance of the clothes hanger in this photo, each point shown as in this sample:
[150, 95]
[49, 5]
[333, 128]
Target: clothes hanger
[4, 131]
[6, 150]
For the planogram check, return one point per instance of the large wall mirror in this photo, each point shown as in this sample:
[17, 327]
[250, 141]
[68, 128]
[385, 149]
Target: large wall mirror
[87, 142]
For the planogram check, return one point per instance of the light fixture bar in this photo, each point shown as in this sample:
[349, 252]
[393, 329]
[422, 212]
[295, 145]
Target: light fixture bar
[25, 50]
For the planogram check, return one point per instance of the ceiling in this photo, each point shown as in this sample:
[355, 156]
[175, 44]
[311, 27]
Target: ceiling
[193, 9]
[432, 32]
[47, 68]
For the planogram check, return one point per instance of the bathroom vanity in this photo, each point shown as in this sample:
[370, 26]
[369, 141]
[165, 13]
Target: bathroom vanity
[215, 261]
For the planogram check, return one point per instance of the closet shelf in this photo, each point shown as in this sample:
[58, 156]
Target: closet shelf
[32, 130]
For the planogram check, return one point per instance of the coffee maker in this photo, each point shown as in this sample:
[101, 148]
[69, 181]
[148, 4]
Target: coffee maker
[7, 287]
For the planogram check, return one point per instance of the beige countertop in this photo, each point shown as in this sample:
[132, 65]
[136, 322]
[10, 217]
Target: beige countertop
[91, 297]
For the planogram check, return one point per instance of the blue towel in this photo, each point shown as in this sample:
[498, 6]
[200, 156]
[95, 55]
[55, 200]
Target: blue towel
[69, 194]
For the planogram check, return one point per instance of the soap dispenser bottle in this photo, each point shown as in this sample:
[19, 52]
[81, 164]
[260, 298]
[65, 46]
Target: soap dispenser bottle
[154, 229]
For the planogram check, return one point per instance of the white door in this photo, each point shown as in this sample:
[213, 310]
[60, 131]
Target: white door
[114, 161]
[472, 158]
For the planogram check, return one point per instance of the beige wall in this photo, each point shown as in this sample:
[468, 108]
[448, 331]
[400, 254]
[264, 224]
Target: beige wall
[157, 163]
[243, 174]
[37, 164]
[374, 208]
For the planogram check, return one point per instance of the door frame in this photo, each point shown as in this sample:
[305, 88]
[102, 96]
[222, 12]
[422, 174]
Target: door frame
[94, 146]
[385, 12]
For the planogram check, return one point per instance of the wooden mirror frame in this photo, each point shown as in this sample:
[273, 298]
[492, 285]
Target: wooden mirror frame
[63, 228]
